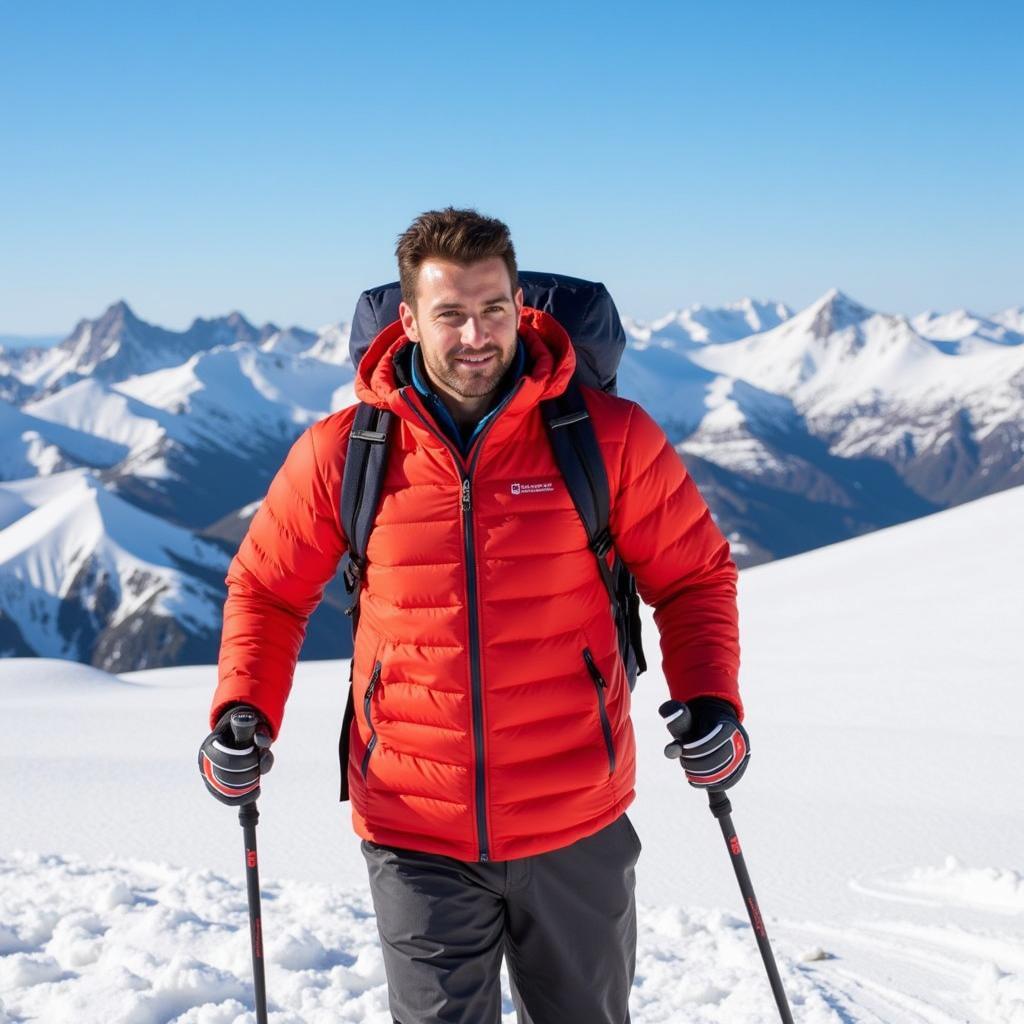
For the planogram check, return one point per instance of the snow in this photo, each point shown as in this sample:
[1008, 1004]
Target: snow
[952, 883]
[869, 383]
[1012, 318]
[700, 324]
[100, 409]
[290, 341]
[865, 383]
[86, 535]
[233, 392]
[331, 345]
[963, 331]
[30, 446]
[727, 433]
[879, 818]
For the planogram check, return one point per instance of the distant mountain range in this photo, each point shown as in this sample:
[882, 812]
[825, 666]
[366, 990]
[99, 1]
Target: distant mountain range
[133, 457]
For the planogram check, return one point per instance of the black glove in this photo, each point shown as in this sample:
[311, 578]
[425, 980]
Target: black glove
[232, 773]
[715, 752]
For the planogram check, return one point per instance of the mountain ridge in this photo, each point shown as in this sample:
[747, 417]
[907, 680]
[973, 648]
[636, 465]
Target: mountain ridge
[820, 424]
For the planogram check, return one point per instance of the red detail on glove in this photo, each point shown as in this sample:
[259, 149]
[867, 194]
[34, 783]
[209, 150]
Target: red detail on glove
[219, 786]
[739, 751]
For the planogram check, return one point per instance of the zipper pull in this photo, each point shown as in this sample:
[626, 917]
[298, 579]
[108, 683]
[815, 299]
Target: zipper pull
[466, 500]
[373, 680]
[595, 672]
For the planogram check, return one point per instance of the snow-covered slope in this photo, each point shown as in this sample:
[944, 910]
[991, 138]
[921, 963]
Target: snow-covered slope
[289, 340]
[868, 385]
[1011, 318]
[878, 818]
[85, 575]
[104, 411]
[234, 393]
[19, 497]
[30, 446]
[963, 331]
[331, 345]
[700, 324]
[198, 439]
[833, 343]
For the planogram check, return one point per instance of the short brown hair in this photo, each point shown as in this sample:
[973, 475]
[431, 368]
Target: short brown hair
[461, 236]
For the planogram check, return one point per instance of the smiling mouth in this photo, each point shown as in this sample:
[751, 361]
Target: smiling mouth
[475, 360]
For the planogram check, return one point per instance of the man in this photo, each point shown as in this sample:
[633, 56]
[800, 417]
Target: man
[492, 757]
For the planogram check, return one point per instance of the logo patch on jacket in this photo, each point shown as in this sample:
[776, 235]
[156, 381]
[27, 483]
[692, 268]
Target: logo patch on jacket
[538, 487]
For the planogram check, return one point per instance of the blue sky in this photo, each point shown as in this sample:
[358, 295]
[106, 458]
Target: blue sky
[195, 158]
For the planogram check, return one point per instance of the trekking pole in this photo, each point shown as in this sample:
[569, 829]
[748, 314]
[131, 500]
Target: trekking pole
[679, 727]
[243, 728]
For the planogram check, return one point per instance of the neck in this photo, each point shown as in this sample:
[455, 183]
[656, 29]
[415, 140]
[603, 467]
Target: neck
[465, 410]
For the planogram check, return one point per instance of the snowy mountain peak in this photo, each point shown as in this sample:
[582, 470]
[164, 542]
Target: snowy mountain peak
[833, 312]
[703, 325]
[118, 313]
[237, 321]
[220, 330]
[1013, 318]
[961, 331]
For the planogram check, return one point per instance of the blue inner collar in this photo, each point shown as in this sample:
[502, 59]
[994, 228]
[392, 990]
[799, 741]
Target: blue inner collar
[464, 438]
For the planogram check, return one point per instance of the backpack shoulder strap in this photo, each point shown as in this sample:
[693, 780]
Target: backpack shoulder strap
[579, 459]
[576, 451]
[361, 487]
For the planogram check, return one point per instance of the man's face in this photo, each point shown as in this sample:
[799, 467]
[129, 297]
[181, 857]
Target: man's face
[465, 322]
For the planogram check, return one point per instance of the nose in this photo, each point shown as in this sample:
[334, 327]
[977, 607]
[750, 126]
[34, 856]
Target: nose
[473, 332]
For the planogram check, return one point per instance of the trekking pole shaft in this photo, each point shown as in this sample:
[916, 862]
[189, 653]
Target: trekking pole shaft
[722, 810]
[247, 818]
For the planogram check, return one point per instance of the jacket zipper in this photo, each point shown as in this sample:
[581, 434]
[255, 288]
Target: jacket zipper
[606, 726]
[476, 686]
[374, 679]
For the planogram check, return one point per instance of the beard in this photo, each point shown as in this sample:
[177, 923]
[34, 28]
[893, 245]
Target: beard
[469, 381]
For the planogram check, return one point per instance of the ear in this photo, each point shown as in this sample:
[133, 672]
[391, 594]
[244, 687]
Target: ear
[518, 300]
[408, 318]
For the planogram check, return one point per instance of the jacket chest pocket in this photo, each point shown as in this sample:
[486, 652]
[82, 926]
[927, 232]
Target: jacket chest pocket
[601, 687]
[371, 688]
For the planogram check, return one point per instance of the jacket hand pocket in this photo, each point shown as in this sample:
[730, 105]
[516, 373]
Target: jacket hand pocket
[601, 686]
[368, 715]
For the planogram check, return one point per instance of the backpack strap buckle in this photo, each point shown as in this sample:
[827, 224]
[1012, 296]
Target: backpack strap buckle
[602, 543]
[566, 419]
[351, 576]
[373, 436]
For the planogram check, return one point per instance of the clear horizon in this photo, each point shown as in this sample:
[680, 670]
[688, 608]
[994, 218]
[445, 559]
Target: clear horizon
[201, 158]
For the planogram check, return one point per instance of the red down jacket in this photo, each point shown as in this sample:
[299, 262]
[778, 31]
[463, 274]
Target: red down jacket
[481, 731]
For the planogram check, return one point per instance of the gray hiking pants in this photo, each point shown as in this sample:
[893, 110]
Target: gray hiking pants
[564, 920]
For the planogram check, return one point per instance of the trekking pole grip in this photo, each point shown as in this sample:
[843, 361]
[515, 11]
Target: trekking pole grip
[244, 721]
[243, 725]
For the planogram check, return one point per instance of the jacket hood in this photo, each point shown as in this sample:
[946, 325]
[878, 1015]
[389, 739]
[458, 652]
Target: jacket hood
[551, 360]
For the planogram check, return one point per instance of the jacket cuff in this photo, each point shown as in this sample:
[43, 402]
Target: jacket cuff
[721, 686]
[248, 692]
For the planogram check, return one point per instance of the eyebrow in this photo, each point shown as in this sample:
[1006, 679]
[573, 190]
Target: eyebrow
[449, 304]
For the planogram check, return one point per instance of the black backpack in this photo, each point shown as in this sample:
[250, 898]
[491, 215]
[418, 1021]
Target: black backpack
[588, 314]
